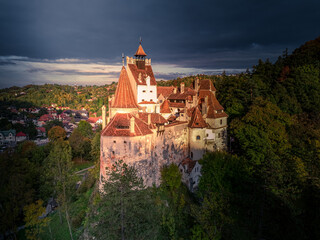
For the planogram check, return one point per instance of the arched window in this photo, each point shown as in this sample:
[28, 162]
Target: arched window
[191, 154]
[221, 122]
[198, 137]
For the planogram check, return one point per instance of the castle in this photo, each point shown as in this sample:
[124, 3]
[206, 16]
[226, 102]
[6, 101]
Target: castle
[149, 126]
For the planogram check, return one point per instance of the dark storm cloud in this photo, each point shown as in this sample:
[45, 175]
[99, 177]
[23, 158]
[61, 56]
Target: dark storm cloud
[193, 34]
[71, 72]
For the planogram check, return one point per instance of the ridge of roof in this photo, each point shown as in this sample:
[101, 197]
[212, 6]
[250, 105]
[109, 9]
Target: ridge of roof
[124, 97]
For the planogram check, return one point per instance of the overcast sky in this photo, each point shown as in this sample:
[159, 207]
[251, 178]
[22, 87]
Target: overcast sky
[81, 41]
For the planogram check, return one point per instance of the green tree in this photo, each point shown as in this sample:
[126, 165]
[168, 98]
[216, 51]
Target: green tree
[126, 209]
[59, 169]
[95, 147]
[51, 124]
[34, 224]
[81, 145]
[85, 129]
[173, 203]
[57, 133]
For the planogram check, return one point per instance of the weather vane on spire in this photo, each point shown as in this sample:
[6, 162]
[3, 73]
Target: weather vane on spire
[122, 59]
[140, 40]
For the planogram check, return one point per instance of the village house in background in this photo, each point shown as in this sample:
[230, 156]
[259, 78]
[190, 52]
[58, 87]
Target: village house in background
[148, 126]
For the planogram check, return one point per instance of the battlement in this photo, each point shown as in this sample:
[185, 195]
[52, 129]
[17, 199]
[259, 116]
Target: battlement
[131, 60]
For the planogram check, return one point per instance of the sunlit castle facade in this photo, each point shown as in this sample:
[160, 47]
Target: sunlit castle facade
[149, 126]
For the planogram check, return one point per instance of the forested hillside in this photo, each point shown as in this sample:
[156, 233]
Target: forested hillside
[75, 97]
[268, 186]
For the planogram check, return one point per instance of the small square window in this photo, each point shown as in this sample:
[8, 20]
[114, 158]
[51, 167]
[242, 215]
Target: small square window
[221, 122]
[198, 137]
[114, 141]
[151, 100]
[150, 90]
[144, 91]
[124, 142]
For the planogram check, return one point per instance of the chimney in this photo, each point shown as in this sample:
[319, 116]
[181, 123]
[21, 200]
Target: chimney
[182, 87]
[148, 81]
[149, 118]
[104, 117]
[174, 90]
[132, 125]
[196, 84]
[194, 100]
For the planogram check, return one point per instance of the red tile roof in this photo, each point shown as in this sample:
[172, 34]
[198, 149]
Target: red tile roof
[212, 100]
[189, 92]
[120, 126]
[207, 84]
[165, 91]
[41, 129]
[156, 118]
[21, 134]
[143, 73]
[197, 120]
[93, 119]
[213, 114]
[124, 97]
[177, 104]
[189, 164]
[172, 118]
[46, 117]
[190, 111]
[174, 123]
[164, 108]
[140, 52]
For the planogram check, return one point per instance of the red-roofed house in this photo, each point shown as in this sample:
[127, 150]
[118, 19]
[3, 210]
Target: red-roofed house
[95, 121]
[41, 132]
[191, 173]
[44, 118]
[21, 136]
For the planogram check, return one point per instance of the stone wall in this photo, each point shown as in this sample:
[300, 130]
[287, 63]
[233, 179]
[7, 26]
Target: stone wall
[197, 142]
[146, 153]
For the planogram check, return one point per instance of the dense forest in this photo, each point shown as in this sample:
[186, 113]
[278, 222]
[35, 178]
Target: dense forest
[266, 187]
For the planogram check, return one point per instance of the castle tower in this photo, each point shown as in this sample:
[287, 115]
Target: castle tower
[142, 80]
[197, 130]
[140, 57]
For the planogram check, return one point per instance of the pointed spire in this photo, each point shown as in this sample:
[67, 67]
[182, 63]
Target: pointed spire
[197, 120]
[140, 52]
[124, 97]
